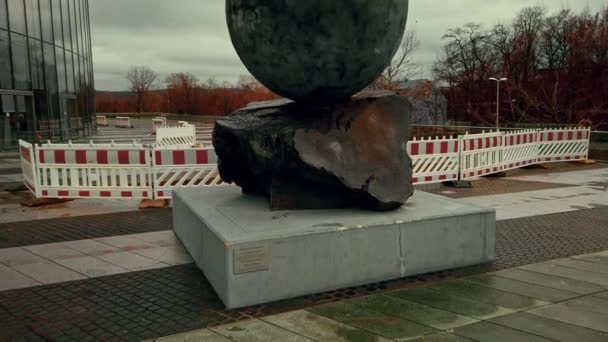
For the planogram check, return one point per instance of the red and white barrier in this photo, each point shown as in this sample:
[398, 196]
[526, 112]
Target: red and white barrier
[558, 145]
[481, 155]
[183, 168]
[180, 136]
[93, 171]
[520, 149]
[122, 122]
[28, 166]
[434, 161]
[158, 123]
[101, 120]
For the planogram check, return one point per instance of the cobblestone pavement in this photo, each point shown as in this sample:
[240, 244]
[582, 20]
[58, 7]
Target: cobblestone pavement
[26, 233]
[153, 303]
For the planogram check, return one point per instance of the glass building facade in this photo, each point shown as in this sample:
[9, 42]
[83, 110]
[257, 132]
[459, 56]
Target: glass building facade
[46, 71]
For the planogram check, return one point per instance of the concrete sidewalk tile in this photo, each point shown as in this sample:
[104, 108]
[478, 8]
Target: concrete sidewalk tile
[556, 282]
[91, 267]
[567, 272]
[125, 243]
[574, 315]
[18, 256]
[372, 321]
[550, 328]
[257, 331]
[91, 247]
[131, 261]
[163, 238]
[490, 332]
[449, 302]
[581, 265]
[320, 328]
[48, 272]
[591, 303]
[54, 251]
[488, 295]
[441, 337]
[11, 279]
[193, 336]
[173, 255]
[602, 295]
[433, 317]
[540, 292]
[599, 259]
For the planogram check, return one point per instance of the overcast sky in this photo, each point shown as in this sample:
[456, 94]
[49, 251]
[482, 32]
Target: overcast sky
[191, 35]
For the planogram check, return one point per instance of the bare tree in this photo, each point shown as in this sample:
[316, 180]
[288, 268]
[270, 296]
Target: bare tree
[403, 67]
[141, 79]
[181, 92]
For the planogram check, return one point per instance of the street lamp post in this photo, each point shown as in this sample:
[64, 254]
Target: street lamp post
[498, 98]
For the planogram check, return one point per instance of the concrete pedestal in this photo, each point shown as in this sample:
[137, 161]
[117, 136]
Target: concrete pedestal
[251, 255]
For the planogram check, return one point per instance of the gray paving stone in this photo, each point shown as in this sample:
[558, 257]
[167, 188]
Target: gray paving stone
[556, 282]
[591, 303]
[423, 314]
[544, 293]
[550, 328]
[488, 295]
[257, 331]
[575, 315]
[602, 295]
[375, 322]
[445, 301]
[596, 258]
[581, 264]
[486, 331]
[320, 328]
[194, 336]
[441, 337]
[567, 272]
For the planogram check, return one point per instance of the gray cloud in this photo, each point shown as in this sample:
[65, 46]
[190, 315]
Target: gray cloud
[191, 35]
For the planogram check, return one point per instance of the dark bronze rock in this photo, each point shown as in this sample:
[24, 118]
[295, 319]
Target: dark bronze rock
[316, 50]
[323, 156]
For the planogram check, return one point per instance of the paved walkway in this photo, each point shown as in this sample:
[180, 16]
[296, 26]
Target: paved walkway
[558, 300]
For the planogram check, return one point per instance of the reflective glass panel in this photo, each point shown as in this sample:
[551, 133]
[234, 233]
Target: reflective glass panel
[5, 61]
[16, 13]
[36, 64]
[33, 18]
[65, 18]
[60, 70]
[21, 70]
[46, 21]
[3, 16]
[57, 23]
[69, 67]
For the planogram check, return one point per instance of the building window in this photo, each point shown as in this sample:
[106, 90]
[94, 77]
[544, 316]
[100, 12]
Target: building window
[3, 15]
[57, 23]
[16, 14]
[65, 18]
[33, 18]
[21, 70]
[6, 81]
[46, 21]
[59, 55]
[36, 64]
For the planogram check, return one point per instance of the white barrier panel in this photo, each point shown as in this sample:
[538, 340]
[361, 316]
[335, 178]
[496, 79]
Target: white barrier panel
[564, 144]
[184, 168]
[101, 120]
[519, 149]
[183, 136]
[434, 160]
[94, 171]
[28, 166]
[122, 122]
[481, 155]
[158, 123]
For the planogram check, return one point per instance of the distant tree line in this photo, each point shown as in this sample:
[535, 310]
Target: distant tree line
[556, 65]
[181, 93]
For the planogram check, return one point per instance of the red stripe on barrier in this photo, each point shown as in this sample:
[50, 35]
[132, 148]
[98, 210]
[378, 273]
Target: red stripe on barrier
[428, 179]
[525, 139]
[145, 194]
[81, 157]
[63, 193]
[570, 135]
[123, 158]
[102, 157]
[488, 142]
[59, 157]
[202, 157]
[414, 180]
[430, 148]
[444, 147]
[142, 157]
[179, 157]
[415, 149]
[511, 140]
[471, 145]
[568, 158]
[550, 137]
[160, 193]
[84, 193]
[443, 177]
[560, 136]
[105, 194]
[126, 194]
[45, 193]
[496, 142]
